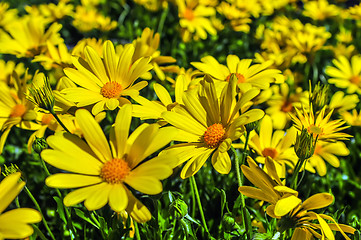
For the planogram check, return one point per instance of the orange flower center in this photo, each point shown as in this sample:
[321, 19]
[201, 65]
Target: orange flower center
[111, 90]
[18, 110]
[115, 171]
[46, 119]
[287, 107]
[270, 152]
[314, 130]
[355, 80]
[188, 14]
[240, 77]
[214, 135]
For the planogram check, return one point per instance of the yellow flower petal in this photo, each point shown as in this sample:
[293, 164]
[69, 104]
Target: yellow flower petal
[319, 200]
[325, 228]
[162, 94]
[81, 194]
[137, 210]
[195, 163]
[255, 193]
[93, 134]
[144, 184]
[221, 162]
[9, 189]
[118, 198]
[286, 204]
[99, 197]
[121, 128]
[69, 180]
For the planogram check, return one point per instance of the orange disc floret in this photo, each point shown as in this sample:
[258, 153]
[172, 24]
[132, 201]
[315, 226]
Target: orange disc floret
[111, 90]
[270, 152]
[188, 14]
[355, 80]
[18, 110]
[214, 135]
[240, 77]
[115, 171]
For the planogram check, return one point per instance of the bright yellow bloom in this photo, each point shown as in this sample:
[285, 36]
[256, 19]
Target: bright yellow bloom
[15, 224]
[27, 37]
[239, 19]
[302, 220]
[320, 10]
[7, 68]
[15, 109]
[152, 5]
[319, 125]
[352, 119]
[346, 74]
[341, 102]
[275, 145]
[7, 16]
[195, 19]
[87, 18]
[208, 125]
[327, 152]
[100, 169]
[147, 46]
[283, 102]
[154, 109]
[270, 189]
[55, 57]
[104, 80]
[96, 44]
[51, 12]
[248, 76]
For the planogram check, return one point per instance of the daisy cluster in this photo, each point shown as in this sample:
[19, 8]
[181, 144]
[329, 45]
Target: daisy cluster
[115, 106]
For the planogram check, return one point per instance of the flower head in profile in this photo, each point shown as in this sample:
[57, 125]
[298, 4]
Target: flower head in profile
[41, 94]
[15, 109]
[346, 73]
[269, 188]
[308, 224]
[209, 124]
[105, 80]
[102, 170]
[320, 125]
[15, 224]
[352, 118]
[320, 10]
[256, 75]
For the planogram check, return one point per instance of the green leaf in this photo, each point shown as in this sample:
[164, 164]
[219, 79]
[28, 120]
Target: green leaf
[60, 209]
[81, 214]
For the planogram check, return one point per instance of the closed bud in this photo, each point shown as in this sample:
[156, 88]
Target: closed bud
[39, 144]
[13, 168]
[319, 96]
[228, 222]
[305, 144]
[252, 125]
[41, 93]
[178, 209]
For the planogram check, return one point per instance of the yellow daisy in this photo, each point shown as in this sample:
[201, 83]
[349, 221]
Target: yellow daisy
[102, 171]
[208, 125]
[15, 109]
[248, 76]
[195, 19]
[353, 118]
[269, 188]
[103, 81]
[341, 102]
[27, 37]
[147, 46]
[320, 10]
[303, 220]
[51, 12]
[275, 145]
[325, 151]
[15, 224]
[320, 126]
[346, 74]
[283, 102]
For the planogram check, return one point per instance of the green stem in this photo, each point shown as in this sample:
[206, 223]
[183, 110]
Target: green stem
[67, 214]
[137, 234]
[193, 180]
[59, 121]
[39, 209]
[193, 199]
[294, 178]
[162, 20]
